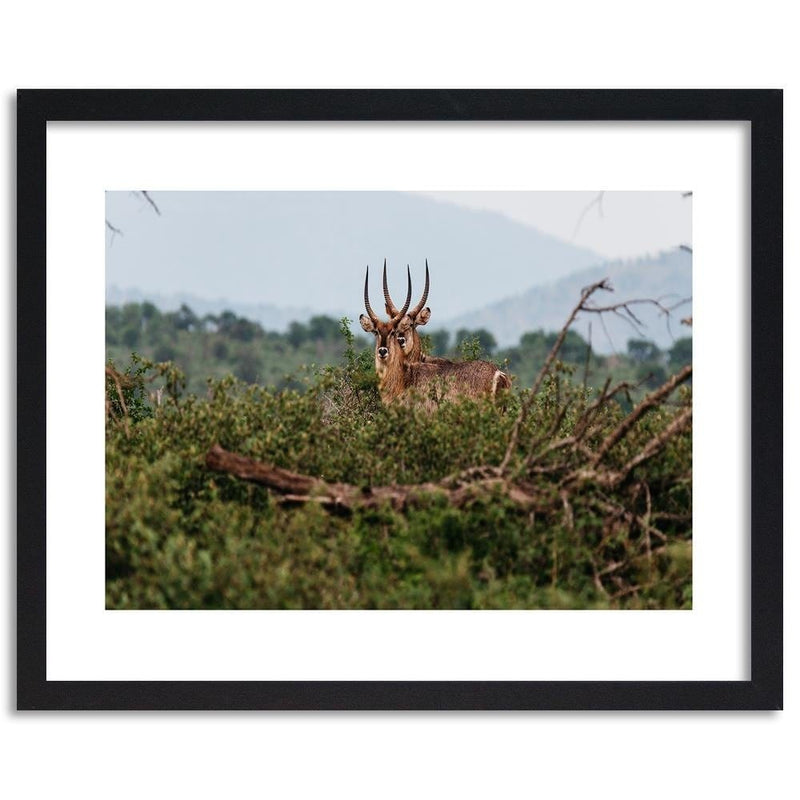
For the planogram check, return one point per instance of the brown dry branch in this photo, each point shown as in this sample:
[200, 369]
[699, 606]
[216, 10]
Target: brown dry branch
[549, 480]
[586, 293]
[596, 201]
[522, 488]
[459, 490]
[114, 232]
[612, 478]
[292, 487]
[584, 304]
[657, 443]
[651, 401]
[589, 414]
[624, 310]
[150, 200]
[535, 453]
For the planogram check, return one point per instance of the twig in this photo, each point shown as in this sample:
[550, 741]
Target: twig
[588, 357]
[649, 402]
[656, 443]
[624, 311]
[151, 201]
[586, 293]
[114, 232]
[552, 430]
[598, 201]
[596, 577]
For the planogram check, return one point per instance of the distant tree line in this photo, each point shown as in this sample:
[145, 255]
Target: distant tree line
[213, 345]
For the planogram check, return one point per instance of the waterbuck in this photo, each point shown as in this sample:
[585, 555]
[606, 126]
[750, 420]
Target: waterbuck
[407, 336]
[403, 371]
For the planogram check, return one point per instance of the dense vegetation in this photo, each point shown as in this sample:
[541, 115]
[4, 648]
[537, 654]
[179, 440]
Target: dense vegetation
[592, 510]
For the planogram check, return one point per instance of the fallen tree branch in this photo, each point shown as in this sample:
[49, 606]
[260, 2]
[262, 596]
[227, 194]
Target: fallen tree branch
[293, 488]
[564, 475]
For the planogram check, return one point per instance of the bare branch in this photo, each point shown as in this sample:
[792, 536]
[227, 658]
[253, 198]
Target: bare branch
[597, 201]
[623, 311]
[588, 357]
[150, 200]
[649, 402]
[656, 443]
[608, 335]
[114, 232]
[586, 293]
[293, 488]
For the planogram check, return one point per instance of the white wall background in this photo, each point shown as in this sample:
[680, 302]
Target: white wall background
[359, 44]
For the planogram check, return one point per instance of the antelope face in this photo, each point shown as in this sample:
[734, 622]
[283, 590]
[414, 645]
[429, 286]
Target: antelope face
[386, 347]
[407, 336]
[386, 342]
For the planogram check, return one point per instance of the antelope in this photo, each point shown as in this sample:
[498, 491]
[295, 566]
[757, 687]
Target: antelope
[388, 357]
[401, 367]
[407, 336]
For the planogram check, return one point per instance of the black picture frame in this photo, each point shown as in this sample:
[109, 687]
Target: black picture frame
[761, 108]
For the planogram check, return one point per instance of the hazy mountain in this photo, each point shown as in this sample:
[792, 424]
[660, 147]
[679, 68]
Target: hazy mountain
[308, 250]
[666, 277]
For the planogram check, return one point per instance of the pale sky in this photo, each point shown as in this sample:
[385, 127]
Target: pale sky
[621, 225]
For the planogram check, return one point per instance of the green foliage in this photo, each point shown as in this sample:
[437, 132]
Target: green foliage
[218, 345]
[643, 350]
[435, 343]
[214, 346]
[469, 348]
[681, 353]
[180, 536]
[126, 391]
[479, 341]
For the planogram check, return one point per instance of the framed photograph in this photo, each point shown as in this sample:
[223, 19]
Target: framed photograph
[411, 400]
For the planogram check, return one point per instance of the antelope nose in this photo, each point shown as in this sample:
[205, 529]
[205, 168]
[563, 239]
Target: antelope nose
[383, 352]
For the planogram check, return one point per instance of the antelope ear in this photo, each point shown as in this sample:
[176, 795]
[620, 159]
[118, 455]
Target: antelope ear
[366, 323]
[423, 316]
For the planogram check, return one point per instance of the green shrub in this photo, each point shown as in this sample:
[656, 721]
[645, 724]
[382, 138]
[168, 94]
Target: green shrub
[181, 536]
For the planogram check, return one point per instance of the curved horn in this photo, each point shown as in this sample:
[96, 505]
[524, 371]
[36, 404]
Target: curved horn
[401, 313]
[391, 309]
[372, 315]
[419, 306]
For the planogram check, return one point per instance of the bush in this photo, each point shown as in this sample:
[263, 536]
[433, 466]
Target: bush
[181, 536]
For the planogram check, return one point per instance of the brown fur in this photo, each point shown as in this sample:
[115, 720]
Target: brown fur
[407, 329]
[404, 372]
[432, 380]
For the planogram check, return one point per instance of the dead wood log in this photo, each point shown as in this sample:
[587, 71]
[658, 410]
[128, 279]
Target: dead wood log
[294, 488]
